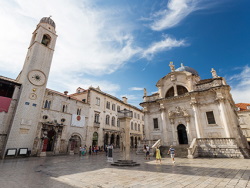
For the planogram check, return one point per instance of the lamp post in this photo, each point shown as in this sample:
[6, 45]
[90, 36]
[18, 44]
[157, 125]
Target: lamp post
[125, 117]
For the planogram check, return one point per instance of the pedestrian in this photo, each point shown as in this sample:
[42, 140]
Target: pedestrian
[147, 152]
[80, 151]
[172, 153]
[90, 150]
[158, 155]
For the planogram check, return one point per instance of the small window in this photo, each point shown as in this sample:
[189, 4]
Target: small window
[113, 121]
[63, 120]
[118, 108]
[139, 127]
[78, 111]
[108, 105]
[210, 117]
[97, 116]
[132, 126]
[46, 40]
[118, 123]
[45, 117]
[248, 107]
[135, 126]
[107, 119]
[47, 104]
[113, 107]
[64, 108]
[155, 120]
[97, 101]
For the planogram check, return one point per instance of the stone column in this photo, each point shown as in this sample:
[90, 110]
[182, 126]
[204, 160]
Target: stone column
[125, 124]
[175, 90]
[224, 117]
[197, 119]
[189, 132]
[164, 126]
[173, 132]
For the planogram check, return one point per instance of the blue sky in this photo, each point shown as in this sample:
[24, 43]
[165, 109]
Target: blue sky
[125, 46]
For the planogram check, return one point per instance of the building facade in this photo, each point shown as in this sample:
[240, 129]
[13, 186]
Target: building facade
[186, 109]
[243, 111]
[104, 126]
[44, 122]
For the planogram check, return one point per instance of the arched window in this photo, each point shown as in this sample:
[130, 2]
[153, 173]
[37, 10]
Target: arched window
[64, 108]
[107, 119]
[46, 40]
[118, 123]
[139, 127]
[132, 126]
[181, 90]
[170, 92]
[113, 121]
[136, 126]
[78, 111]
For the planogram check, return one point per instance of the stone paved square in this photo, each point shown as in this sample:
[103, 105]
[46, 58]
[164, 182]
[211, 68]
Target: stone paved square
[94, 171]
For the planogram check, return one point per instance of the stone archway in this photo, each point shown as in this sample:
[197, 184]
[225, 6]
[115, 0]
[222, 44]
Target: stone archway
[75, 143]
[106, 139]
[182, 134]
[112, 139]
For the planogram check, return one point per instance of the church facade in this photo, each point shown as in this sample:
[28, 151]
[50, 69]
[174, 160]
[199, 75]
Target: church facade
[189, 110]
[41, 121]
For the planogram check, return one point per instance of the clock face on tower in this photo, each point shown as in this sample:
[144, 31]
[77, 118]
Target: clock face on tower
[37, 77]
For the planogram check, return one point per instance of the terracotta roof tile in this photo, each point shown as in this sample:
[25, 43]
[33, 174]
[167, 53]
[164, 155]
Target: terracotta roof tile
[243, 106]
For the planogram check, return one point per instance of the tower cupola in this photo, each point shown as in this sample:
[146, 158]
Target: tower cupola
[48, 20]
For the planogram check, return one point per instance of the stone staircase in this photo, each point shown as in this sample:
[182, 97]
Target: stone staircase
[180, 150]
[216, 148]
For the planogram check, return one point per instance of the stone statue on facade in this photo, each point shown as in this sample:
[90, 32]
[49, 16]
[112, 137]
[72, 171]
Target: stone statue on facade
[214, 74]
[145, 92]
[171, 65]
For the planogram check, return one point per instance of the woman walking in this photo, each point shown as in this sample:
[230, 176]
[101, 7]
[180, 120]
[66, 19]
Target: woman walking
[158, 155]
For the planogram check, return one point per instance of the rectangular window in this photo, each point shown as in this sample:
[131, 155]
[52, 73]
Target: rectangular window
[210, 117]
[118, 108]
[108, 105]
[113, 107]
[97, 118]
[155, 123]
[97, 101]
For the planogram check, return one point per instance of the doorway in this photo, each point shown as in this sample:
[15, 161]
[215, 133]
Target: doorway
[182, 134]
[51, 140]
[95, 139]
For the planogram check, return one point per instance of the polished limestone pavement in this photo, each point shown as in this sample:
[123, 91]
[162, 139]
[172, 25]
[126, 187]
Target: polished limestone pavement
[95, 171]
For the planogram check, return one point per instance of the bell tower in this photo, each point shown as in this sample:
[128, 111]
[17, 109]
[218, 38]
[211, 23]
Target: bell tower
[33, 78]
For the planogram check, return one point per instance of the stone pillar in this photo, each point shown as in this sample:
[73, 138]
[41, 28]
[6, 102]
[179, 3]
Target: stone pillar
[189, 132]
[173, 132]
[164, 126]
[224, 117]
[175, 90]
[57, 144]
[125, 124]
[197, 119]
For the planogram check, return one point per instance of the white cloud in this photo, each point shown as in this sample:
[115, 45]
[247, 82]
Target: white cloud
[241, 86]
[166, 44]
[136, 88]
[176, 11]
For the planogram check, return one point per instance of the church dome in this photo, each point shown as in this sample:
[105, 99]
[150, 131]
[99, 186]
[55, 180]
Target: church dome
[48, 20]
[188, 69]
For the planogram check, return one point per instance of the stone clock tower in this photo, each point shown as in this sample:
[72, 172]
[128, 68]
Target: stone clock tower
[33, 78]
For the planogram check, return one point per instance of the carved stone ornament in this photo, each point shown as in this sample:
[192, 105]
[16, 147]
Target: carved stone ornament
[178, 112]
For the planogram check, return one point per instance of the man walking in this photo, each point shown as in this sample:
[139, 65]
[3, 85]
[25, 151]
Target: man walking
[171, 151]
[147, 152]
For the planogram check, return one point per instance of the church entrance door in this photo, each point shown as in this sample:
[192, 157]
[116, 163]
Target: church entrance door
[182, 134]
[51, 140]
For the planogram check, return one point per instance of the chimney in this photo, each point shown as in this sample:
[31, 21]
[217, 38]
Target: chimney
[125, 100]
[65, 92]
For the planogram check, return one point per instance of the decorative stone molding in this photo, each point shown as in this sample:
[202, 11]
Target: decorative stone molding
[205, 86]
[178, 112]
